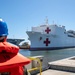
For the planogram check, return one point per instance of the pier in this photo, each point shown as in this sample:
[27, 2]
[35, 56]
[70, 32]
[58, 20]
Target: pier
[59, 67]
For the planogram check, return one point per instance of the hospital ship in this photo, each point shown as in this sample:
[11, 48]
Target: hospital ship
[51, 37]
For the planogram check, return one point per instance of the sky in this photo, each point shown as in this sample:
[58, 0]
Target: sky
[22, 15]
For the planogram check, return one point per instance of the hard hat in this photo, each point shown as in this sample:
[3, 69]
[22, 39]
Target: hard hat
[3, 28]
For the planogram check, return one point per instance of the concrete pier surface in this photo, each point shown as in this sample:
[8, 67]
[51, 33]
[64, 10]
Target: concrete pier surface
[61, 67]
[67, 64]
[56, 72]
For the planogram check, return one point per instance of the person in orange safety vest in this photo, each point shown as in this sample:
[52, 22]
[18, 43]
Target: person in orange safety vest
[11, 61]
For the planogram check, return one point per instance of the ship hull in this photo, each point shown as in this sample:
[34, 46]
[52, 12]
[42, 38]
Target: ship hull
[51, 38]
[49, 48]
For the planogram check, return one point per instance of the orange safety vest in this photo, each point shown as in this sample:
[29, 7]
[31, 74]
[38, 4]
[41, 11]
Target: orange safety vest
[10, 60]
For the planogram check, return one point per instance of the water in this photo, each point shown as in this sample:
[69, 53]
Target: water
[50, 55]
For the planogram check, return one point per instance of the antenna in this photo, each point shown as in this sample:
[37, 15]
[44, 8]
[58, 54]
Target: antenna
[27, 28]
[47, 21]
[53, 21]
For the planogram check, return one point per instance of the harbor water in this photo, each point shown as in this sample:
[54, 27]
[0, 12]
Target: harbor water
[50, 55]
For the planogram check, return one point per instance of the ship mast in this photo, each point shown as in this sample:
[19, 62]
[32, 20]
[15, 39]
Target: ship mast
[47, 21]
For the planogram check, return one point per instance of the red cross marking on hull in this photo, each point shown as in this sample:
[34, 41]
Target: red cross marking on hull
[47, 30]
[47, 41]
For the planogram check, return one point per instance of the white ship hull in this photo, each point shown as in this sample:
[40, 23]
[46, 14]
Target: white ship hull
[49, 37]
